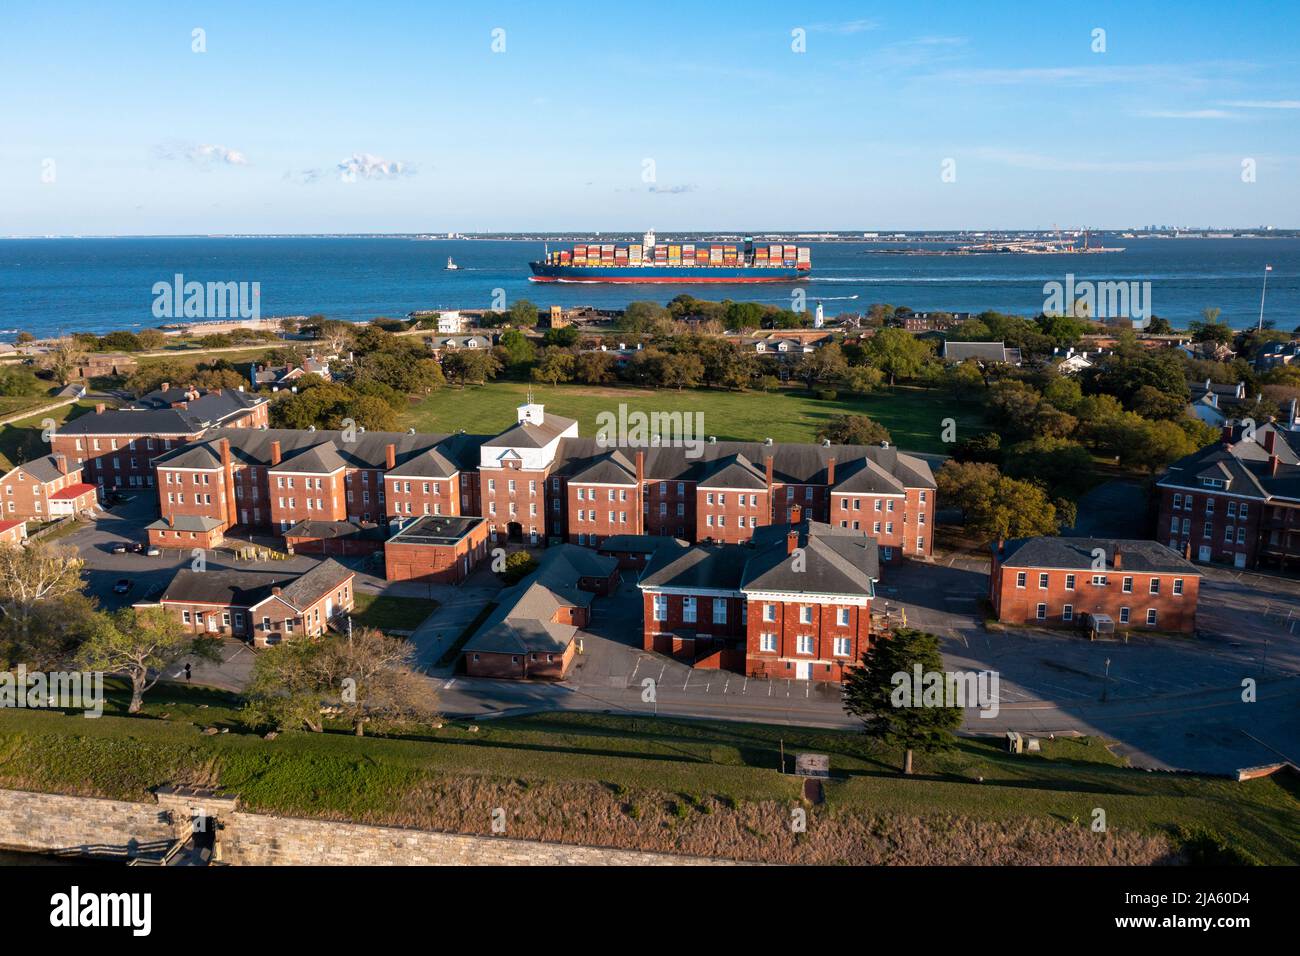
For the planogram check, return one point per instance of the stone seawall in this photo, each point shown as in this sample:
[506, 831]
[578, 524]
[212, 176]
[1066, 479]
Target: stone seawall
[116, 828]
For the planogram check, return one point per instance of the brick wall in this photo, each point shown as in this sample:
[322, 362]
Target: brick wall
[1014, 604]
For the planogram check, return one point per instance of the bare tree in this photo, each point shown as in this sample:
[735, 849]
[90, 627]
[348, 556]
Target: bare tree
[63, 359]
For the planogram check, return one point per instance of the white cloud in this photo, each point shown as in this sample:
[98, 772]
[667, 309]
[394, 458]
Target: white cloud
[1060, 163]
[202, 154]
[846, 27]
[369, 166]
[1187, 114]
[1263, 104]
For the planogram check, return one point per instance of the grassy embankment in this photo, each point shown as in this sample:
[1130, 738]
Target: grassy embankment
[913, 416]
[675, 785]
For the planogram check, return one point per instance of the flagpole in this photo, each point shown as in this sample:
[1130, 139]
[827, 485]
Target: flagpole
[1262, 293]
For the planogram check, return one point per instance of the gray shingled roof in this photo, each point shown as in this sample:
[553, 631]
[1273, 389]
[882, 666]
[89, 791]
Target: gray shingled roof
[982, 351]
[524, 435]
[320, 459]
[194, 523]
[1246, 466]
[735, 471]
[1076, 554]
[247, 589]
[152, 414]
[44, 469]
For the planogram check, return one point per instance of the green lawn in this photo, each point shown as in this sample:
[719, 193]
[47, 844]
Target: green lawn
[914, 416]
[21, 441]
[389, 613]
[710, 766]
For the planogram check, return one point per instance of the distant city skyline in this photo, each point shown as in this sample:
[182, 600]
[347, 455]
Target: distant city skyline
[197, 119]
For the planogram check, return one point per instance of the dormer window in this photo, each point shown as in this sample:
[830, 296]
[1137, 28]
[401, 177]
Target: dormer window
[1213, 483]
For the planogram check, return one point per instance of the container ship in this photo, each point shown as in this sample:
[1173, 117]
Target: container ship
[652, 261]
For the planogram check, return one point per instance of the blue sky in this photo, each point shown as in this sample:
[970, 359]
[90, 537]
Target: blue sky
[397, 116]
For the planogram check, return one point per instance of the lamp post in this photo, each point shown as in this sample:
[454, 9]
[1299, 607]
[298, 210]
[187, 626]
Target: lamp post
[1262, 293]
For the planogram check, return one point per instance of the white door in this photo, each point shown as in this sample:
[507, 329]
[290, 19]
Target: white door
[802, 670]
[329, 608]
[1205, 552]
[1240, 560]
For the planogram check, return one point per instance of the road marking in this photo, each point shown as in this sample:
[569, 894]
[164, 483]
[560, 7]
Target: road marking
[744, 687]
[450, 681]
[688, 678]
[634, 670]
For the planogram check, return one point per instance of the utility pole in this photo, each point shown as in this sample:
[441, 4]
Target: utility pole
[1262, 292]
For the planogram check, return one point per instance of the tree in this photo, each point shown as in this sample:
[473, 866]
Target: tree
[595, 368]
[63, 359]
[142, 643]
[517, 350]
[680, 370]
[825, 364]
[993, 505]
[853, 430]
[120, 341]
[151, 339]
[523, 314]
[519, 564]
[642, 317]
[863, 379]
[895, 712]
[1064, 466]
[42, 612]
[897, 353]
[366, 676]
[470, 366]
[556, 365]
[566, 336]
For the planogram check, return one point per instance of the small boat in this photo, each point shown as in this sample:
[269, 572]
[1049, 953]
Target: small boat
[451, 266]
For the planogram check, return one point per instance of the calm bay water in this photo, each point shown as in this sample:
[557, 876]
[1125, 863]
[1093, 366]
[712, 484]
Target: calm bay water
[49, 286]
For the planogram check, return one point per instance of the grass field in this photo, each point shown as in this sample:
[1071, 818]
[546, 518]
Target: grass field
[21, 441]
[388, 613]
[914, 416]
[688, 786]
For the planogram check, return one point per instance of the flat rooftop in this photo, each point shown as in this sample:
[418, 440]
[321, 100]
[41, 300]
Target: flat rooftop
[436, 529]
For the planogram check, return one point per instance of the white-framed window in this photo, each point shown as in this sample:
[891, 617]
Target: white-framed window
[1151, 617]
[719, 610]
[1127, 585]
[1178, 586]
[769, 612]
[1123, 615]
[805, 644]
[1067, 613]
[1099, 580]
[1155, 586]
[1020, 579]
[688, 609]
[661, 607]
[842, 647]
[842, 616]
[805, 614]
[1042, 581]
[767, 642]
[1069, 582]
[1042, 612]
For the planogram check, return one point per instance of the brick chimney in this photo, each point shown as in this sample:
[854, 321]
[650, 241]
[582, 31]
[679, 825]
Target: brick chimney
[171, 521]
[228, 484]
[1270, 440]
[771, 496]
[390, 456]
[830, 473]
[275, 590]
[791, 540]
[61, 463]
[1117, 562]
[275, 453]
[166, 386]
[1226, 435]
[99, 409]
[1273, 463]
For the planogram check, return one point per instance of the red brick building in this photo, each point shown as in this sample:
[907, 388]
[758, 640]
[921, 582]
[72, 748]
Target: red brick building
[46, 488]
[185, 531]
[1136, 585]
[1235, 502]
[13, 532]
[795, 602]
[116, 447]
[438, 550]
[539, 482]
[261, 607]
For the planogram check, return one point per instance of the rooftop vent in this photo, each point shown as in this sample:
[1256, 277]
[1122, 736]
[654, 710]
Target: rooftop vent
[410, 431]
[767, 441]
[311, 428]
[713, 439]
[826, 443]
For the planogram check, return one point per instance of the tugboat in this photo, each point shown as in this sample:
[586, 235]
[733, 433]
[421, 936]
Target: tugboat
[451, 266]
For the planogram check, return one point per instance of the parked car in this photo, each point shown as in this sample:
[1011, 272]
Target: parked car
[153, 551]
[137, 548]
[122, 586]
[119, 547]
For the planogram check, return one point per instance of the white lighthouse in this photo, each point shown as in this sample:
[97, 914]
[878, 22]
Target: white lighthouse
[819, 317]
